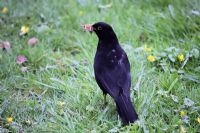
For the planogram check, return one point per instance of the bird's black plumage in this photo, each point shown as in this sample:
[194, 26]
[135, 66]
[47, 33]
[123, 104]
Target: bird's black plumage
[112, 71]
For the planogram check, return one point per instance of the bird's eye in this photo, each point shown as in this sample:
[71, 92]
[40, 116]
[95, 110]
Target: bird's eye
[99, 28]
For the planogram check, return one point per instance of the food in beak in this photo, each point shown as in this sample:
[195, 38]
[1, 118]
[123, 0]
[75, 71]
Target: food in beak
[88, 27]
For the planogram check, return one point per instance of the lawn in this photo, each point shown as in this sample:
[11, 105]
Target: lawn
[54, 90]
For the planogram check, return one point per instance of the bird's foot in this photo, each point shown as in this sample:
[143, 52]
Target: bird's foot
[105, 103]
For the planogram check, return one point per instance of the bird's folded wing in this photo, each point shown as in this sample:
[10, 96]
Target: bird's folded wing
[115, 81]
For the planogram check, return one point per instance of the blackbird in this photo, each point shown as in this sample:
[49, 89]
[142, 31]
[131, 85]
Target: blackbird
[112, 71]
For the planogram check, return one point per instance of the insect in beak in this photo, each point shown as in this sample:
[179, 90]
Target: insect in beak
[88, 27]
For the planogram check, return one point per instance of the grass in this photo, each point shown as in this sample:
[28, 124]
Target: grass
[59, 92]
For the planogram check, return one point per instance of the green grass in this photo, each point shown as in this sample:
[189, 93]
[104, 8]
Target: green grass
[57, 72]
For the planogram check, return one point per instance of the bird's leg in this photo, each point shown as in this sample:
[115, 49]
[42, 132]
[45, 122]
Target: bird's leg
[105, 103]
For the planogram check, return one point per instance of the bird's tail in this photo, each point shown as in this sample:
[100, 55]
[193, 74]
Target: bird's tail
[125, 109]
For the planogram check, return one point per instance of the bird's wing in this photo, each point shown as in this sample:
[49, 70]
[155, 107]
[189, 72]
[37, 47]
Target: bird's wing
[117, 80]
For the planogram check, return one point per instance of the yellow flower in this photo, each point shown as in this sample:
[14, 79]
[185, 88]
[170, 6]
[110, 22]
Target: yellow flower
[198, 120]
[151, 58]
[182, 130]
[60, 103]
[146, 49]
[182, 113]
[24, 29]
[9, 119]
[181, 57]
[80, 13]
[4, 10]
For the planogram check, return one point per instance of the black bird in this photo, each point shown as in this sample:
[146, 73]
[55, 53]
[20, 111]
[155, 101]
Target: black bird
[112, 71]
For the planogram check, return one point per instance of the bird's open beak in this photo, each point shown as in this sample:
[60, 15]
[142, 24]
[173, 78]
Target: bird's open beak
[88, 27]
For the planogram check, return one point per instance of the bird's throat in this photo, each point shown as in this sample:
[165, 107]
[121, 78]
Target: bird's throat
[107, 44]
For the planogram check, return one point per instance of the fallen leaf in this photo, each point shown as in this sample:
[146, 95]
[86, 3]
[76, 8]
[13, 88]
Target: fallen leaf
[24, 69]
[5, 45]
[85, 62]
[33, 41]
[42, 28]
[171, 58]
[195, 12]
[90, 108]
[93, 131]
[105, 6]
[182, 130]
[185, 119]
[188, 102]
[195, 52]
[174, 98]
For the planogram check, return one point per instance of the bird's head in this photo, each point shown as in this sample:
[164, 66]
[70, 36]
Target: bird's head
[103, 30]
